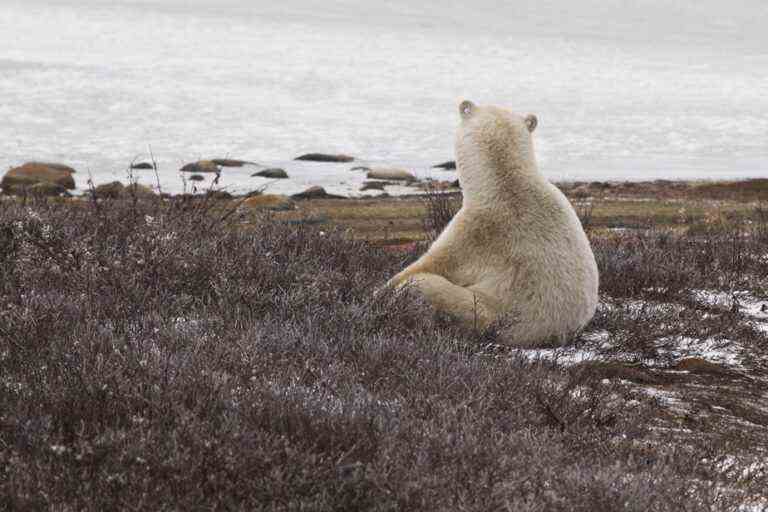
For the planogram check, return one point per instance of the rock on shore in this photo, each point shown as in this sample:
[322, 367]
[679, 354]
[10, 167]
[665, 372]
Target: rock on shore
[323, 157]
[116, 190]
[316, 193]
[381, 173]
[201, 166]
[32, 173]
[231, 162]
[271, 173]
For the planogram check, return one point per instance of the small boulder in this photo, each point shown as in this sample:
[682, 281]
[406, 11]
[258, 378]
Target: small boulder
[272, 173]
[112, 190]
[315, 193]
[201, 166]
[229, 162]
[142, 165]
[390, 174]
[361, 168]
[322, 157]
[375, 185]
[32, 173]
[116, 190]
[268, 202]
[196, 177]
[448, 166]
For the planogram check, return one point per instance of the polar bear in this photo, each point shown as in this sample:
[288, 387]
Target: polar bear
[516, 249]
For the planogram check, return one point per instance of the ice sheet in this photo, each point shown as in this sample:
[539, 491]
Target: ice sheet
[652, 90]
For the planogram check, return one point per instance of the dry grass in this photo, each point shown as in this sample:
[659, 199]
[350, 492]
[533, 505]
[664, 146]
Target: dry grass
[157, 356]
[612, 206]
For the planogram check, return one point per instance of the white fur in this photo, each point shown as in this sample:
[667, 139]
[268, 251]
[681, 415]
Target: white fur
[516, 248]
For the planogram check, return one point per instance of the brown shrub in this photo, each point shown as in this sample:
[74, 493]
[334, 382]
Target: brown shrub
[157, 355]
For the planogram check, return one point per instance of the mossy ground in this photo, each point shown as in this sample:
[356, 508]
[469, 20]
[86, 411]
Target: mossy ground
[619, 205]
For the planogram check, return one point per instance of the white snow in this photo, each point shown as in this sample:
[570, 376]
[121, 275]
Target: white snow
[749, 305]
[643, 90]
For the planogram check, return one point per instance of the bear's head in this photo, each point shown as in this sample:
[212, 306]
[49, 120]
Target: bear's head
[494, 148]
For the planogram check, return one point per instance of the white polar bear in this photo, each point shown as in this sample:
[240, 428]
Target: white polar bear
[516, 248]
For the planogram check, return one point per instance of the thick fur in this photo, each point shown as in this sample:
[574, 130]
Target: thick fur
[516, 248]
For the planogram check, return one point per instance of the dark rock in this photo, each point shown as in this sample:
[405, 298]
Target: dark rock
[360, 168]
[142, 165]
[201, 166]
[111, 190]
[32, 173]
[449, 165]
[374, 185]
[116, 190]
[229, 162]
[272, 173]
[456, 184]
[196, 177]
[316, 193]
[322, 157]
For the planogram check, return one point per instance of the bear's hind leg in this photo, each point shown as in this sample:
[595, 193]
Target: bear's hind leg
[467, 306]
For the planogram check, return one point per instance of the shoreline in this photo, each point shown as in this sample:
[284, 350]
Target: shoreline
[398, 221]
[395, 212]
[347, 178]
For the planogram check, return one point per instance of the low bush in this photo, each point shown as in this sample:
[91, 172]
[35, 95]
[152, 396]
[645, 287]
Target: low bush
[162, 355]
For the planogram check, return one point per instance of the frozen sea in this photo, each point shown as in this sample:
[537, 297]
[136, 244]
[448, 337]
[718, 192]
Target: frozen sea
[639, 89]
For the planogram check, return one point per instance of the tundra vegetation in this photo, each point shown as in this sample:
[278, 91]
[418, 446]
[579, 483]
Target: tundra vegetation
[182, 354]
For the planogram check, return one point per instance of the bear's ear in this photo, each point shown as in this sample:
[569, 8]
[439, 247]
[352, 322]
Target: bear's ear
[531, 121]
[466, 109]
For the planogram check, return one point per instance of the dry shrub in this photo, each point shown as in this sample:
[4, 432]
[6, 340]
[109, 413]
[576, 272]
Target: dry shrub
[441, 207]
[157, 355]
